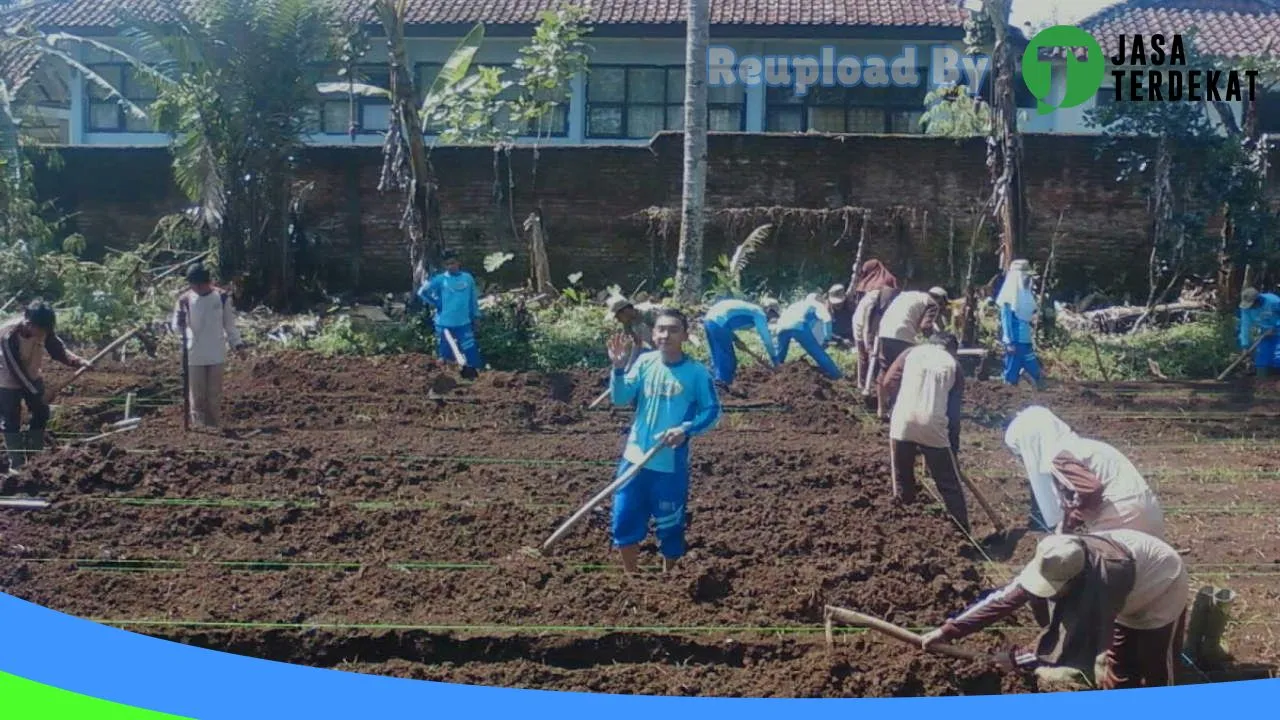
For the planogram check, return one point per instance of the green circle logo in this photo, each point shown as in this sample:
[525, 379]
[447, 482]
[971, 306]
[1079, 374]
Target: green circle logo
[1084, 77]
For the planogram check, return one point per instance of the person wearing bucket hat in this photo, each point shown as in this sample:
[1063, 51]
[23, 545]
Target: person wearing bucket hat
[1261, 311]
[23, 343]
[1115, 603]
[636, 324]
[911, 317]
[1017, 305]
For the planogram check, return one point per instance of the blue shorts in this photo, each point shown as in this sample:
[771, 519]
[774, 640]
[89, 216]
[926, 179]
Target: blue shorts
[658, 495]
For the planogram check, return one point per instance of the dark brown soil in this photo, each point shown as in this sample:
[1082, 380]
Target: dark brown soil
[369, 515]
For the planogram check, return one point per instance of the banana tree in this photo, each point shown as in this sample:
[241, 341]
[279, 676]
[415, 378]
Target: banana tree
[406, 165]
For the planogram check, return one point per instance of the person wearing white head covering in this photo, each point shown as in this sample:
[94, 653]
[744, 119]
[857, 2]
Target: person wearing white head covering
[1080, 484]
[1017, 306]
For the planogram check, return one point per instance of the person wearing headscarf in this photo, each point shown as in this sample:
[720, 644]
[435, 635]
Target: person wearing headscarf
[1017, 306]
[1079, 484]
[913, 316]
[1261, 311]
[1116, 609]
[872, 276]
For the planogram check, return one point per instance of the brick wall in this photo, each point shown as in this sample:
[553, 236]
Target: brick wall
[921, 194]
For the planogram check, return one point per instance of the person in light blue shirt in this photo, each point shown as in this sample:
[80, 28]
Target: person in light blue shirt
[675, 400]
[1261, 311]
[721, 321]
[1017, 305]
[456, 300]
[808, 323]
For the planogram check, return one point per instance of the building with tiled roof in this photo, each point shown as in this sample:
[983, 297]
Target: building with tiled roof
[1226, 30]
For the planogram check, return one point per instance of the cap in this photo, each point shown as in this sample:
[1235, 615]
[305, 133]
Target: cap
[1248, 297]
[197, 274]
[1059, 559]
[938, 292]
[617, 303]
[836, 294]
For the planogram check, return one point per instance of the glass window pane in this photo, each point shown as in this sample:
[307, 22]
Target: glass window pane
[783, 120]
[606, 85]
[337, 118]
[675, 117]
[781, 96]
[139, 86]
[104, 116]
[725, 119]
[135, 124]
[835, 96]
[905, 122]
[675, 85]
[113, 74]
[726, 95]
[375, 116]
[866, 120]
[604, 121]
[826, 119]
[558, 122]
[644, 121]
[646, 85]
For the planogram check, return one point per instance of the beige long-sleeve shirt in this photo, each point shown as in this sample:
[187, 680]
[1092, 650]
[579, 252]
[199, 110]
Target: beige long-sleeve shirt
[211, 326]
[910, 315]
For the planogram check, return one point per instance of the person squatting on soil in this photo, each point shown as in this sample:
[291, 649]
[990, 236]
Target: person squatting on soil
[1261, 311]
[23, 342]
[675, 401]
[841, 316]
[912, 314]
[866, 326]
[721, 321]
[211, 321]
[1111, 606]
[638, 325]
[1017, 306]
[456, 300]
[929, 389]
[807, 322]
[1094, 483]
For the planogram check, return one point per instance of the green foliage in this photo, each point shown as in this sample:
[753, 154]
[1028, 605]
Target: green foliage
[1198, 350]
[954, 112]
[344, 336]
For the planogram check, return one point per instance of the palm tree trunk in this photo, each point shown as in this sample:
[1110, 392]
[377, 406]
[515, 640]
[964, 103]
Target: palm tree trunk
[689, 261]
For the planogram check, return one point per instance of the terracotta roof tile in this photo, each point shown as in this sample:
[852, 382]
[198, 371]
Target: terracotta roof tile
[1224, 28]
[71, 14]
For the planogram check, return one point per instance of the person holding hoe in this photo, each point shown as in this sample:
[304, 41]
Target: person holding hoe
[23, 342]
[721, 322]
[1261, 311]
[206, 316]
[808, 323]
[1017, 305]
[675, 400]
[1111, 607]
[456, 300]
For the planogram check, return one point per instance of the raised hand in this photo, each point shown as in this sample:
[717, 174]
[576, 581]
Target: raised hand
[620, 347]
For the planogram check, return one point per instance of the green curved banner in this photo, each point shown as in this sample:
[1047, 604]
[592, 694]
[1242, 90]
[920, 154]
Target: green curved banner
[22, 699]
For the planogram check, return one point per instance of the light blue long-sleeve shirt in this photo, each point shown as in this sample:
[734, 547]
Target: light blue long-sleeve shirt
[736, 314]
[666, 396]
[455, 298]
[1264, 318]
[1013, 329]
[803, 316]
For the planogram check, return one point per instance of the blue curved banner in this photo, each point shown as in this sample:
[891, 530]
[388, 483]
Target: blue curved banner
[60, 651]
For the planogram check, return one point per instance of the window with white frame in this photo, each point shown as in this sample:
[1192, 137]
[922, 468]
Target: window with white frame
[857, 109]
[107, 114]
[639, 101]
[369, 115]
[555, 124]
